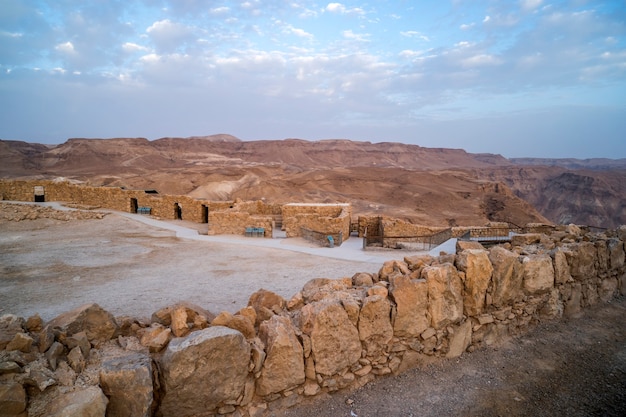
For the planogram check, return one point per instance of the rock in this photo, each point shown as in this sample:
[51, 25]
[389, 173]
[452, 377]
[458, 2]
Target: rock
[237, 322]
[13, 399]
[393, 268]
[79, 339]
[155, 337]
[76, 360]
[417, 262]
[478, 270]
[608, 289]
[375, 329]
[98, 324]
[88, 402]
[46, 339]
[311, 388]
[553, 308]
[462, 245]
[411, 298]
[319, 288]
[445, 294]
[460, 340]
[266, 304]
[9, 367]
[621, 233]
[21, 341]
[126, 380]
[538, 274]
[203, 370]
[189, 317]
[573, 303]
[616, 254]
[362, 279]
[53, 354]
[581, 258]
[34, 324]
[561, 267]
[507, 276]
[524, 239]
[335, 343]
[10, 325]
[573, 230]
[178, 317]
[283, 368]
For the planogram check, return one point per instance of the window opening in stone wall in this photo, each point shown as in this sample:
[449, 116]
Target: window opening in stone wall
[178, 212]
[133, 205]
[40, 194]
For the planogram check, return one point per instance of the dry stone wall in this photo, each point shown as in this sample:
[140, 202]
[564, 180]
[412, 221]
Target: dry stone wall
[333, 334]
[329, 219]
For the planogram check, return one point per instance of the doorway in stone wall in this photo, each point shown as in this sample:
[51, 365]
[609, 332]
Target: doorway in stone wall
[205, 213]
[133, 205]
[40, 194]
[178, 212]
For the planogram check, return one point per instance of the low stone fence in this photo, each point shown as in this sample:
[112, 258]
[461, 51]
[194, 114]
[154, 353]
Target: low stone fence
[329, 219]
[333, 334]
[322, 239]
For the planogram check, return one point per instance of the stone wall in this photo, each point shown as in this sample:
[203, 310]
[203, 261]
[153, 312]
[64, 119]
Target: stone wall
[333, 334]
[328, 219]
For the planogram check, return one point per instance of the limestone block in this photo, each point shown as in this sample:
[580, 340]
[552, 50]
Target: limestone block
[155, 337]
[445, 294]
[581, 258]
[462, 245]
[417, 262]
[283, 368]
[616, 254]
[602, 256]
[573, 304]
[34, 324]
[525, 239]
[21, 341]
[203, 370]
[393, 268]
[362, 279]
[76, 360]
[13, 399]
[79, 339]
[538, 274]
[608, 289]
[561, 267]
[460, 340]
[244, 324]
[126, 380]
[478, 270]
[335, 343]
[88, 402]
[553, 307]
[266, 303]
[507, 276]
[98, 324]
[411, 298]
[53, 354]
[195, 317]
[10, 325]
[375, 330]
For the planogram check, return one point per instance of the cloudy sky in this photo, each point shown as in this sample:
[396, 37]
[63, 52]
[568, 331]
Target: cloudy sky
[543, 78]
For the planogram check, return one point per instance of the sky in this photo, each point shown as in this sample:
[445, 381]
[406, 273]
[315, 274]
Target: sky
[527, 78]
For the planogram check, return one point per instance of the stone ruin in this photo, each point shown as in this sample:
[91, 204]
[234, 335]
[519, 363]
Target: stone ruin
[334, 334]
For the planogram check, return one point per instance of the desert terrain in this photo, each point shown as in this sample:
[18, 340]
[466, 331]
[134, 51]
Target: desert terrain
[428, 186]
[55, 260]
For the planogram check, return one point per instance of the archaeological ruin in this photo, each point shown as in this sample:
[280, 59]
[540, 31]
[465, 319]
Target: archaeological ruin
[334, 334]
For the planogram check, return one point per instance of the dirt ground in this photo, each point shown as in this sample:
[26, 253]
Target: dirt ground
[572, 367]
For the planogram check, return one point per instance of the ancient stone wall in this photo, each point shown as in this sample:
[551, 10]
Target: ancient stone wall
[328, 219]
[333, 334]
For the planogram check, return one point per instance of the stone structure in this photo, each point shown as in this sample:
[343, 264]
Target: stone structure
[223, 217]
[333, 334]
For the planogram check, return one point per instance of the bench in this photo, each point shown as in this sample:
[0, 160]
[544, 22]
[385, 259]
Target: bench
[144, 210]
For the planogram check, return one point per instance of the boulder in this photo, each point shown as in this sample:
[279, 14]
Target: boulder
[445, 294]
[411, 298]
[87, 402]
[98, 324]
[460, 340]
[266, 304]
[616, 254]
[478, 270]
[155, 337]
[581, 258]
[393, 268]
[462, 245]
[21, 341]
[79, 339]
[283, 368]
[244, 324]
[523, 239]
[10, 325]
[126, 380]
[186, 316]
[76, 360]
[538, 274]
[335, 343]
[375, 329]
[13, 399]
[417, 262]
[362, 279]
[507, 276]
[319, 288]
[203, 370]
[561, 267]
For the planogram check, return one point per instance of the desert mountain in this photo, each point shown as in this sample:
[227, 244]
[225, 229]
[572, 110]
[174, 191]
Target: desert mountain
[432, 186]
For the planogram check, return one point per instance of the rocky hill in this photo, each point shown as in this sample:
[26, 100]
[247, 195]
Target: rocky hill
[432, 186]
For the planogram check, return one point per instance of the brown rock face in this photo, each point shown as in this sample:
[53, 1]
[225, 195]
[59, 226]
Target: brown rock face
[375, 330]
[445, 294]
[478, 270]
[12, 399]
[88, 402]
[335, 343]
[127, 382]
[284, 364]
[507, 276]
[98, 324]
[411, 298]
[198, 360]
[538, 274]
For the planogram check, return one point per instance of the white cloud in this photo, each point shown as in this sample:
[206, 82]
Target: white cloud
[66, 48]
[467, 26]
[298, 32]
[480, 60]
[131, 47]
[341, 9]
[529, 5]
[360, 37]
[414, 34]
[219, 10]
[168, 35]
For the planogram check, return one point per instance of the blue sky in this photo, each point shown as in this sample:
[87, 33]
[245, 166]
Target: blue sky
[534, 78]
